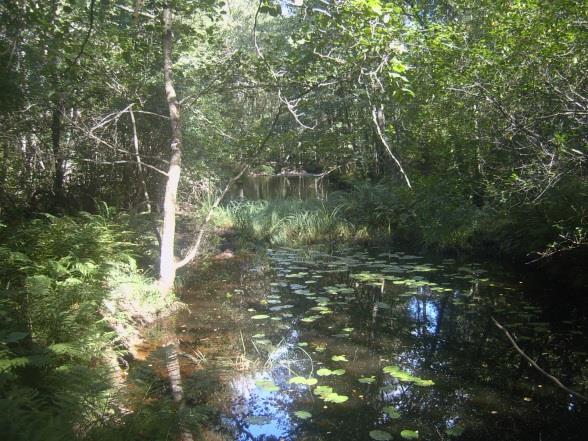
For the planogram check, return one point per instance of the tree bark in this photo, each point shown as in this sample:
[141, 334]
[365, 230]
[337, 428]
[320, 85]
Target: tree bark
[167, 267]
[140, 172]
[3, 174]
[58, 155]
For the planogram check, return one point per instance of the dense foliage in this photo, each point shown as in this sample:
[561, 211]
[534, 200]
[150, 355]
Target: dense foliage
[454, 125]
[67, 284]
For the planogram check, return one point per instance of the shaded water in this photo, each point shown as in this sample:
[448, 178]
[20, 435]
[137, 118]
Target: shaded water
[360, 345]
[279, 187]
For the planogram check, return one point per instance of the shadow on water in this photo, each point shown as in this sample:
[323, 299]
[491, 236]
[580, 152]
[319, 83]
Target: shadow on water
[305, 345]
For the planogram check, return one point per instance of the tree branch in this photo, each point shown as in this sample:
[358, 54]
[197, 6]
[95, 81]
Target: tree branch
[534, 364]
[193, 252]
[383, 139]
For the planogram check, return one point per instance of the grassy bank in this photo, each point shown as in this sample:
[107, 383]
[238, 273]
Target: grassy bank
[436, 215]
[72, 300]
[284, 222]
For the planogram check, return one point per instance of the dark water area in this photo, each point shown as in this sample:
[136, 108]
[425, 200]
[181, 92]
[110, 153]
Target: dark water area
[280, 187]
[370, 344]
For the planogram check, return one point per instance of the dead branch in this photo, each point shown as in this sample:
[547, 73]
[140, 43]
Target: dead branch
[383, 139]
[193, 252]
[534, 364]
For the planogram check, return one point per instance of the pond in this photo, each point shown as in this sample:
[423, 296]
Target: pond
[375, 345]
[280, 187]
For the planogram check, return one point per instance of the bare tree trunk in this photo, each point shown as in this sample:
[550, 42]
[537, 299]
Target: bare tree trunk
[58, 155]
[139, 163]
[167, 267]
[3, 174]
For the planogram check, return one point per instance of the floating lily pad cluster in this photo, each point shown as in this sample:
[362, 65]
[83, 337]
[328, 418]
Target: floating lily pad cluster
[327, 394]
[403, 376]
[324, 372]
[310, 282]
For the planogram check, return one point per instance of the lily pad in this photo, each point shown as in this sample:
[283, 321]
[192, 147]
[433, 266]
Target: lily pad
[303, 414]
[334, 398]
[339, 358]
[324, 372]
[320, 390]
[310, 319]
[267, 385]
[327, 394]
[367, 380]
[303, 380]
[263, 341]
[260, 317]
[403, 376]
[392, 412]
[380, 435]
[409, 434]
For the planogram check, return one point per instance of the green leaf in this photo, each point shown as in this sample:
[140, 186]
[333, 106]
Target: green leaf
[392, 412]
[409, 434]
[267, 385]
[303, 414]
[339, 358]
[303, 380]
[380, 435]
[260, 317]
[367, 380]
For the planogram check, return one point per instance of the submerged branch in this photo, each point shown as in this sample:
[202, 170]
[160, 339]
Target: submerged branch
[534, 364]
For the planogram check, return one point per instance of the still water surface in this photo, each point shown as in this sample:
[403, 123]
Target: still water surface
[377, 344]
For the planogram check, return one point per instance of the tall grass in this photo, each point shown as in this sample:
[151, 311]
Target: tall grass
[284, 222]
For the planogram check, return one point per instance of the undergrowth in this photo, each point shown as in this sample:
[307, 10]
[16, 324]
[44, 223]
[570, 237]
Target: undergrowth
[70, 293]
[437, 214]
[284, 222]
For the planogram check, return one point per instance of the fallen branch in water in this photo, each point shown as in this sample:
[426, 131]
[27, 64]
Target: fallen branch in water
[534, 364]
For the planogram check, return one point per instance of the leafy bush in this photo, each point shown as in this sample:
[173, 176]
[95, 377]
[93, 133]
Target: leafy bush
[62, 281]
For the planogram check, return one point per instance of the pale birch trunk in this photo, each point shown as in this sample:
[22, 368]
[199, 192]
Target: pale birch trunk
[167, 268]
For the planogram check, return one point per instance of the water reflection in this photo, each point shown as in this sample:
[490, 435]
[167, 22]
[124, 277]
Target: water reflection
[395, 342]
[282, 187]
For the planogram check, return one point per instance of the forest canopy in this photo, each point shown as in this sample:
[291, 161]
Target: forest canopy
[452, 126]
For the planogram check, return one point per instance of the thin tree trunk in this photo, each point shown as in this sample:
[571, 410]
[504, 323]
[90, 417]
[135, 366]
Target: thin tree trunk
[167, 268]
[3, 174]
[139, 163]
[58, 157]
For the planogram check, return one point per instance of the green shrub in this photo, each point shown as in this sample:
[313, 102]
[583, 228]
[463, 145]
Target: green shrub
[63, 280]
